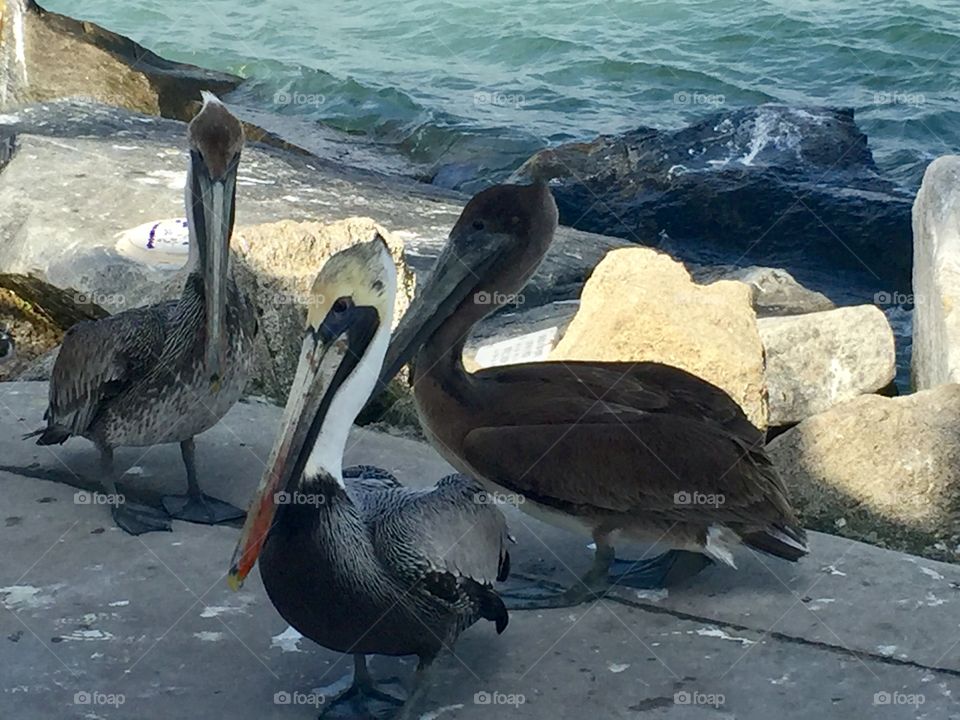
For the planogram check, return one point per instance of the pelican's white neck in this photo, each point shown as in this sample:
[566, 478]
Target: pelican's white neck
[352, 395]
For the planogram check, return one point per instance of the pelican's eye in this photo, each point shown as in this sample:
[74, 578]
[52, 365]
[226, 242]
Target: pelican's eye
[341, 305]
[338, 319]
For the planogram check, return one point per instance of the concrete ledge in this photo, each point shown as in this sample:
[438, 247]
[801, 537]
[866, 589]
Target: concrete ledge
[87, 609]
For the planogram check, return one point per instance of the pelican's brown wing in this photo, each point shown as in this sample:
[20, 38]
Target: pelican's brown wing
[561, 392]
[624, 437]
[99, 360]
[651, 467]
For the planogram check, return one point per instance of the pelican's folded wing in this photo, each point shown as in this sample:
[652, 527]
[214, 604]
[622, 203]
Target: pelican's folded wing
[99, 360]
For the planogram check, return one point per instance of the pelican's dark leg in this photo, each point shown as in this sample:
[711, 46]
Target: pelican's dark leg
[590, 586]
[196, 506]
[667, 570]
[135, 518]
[417, 691]
[362, 688]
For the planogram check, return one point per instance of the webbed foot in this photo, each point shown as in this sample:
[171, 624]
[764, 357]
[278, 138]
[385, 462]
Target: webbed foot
[663, 571]
[137, 519]
[201, 509]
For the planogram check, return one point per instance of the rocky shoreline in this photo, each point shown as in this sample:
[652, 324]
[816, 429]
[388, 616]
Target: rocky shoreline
[791, 186]
[81, 179]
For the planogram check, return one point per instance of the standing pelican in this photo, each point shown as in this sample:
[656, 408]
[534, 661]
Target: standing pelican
[641, 450]
[355, 561]
[167, 372]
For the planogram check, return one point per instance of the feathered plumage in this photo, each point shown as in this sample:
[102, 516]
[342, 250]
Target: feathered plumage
[396, 570]
[136, 378]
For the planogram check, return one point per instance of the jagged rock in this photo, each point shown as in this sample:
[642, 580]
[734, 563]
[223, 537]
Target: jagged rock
[936, 276]
[36, 314]
[127, 169]
[883, 470]
[642, 305]
[776, 291]
[277, 264]
[818, 360]
[45, 56]
[774, 185]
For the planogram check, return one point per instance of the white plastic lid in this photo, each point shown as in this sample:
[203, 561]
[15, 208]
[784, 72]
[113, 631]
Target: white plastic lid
[159, 243]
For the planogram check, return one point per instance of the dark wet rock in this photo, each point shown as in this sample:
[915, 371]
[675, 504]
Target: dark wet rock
[773, 185]
[455, 175]
[62, 57]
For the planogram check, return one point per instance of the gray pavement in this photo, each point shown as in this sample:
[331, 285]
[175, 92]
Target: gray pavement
[98, 624]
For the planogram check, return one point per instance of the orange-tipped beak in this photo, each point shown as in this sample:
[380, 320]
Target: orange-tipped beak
[255, 530]
[316, 374]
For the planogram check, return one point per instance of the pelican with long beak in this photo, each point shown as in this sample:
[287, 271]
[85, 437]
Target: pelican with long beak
[353, 560]
[167, 372]
[643, 451]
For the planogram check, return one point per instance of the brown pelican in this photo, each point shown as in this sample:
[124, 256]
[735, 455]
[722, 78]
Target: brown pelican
[8, 348]
[640, 450]
[166, 372]
[354, 560]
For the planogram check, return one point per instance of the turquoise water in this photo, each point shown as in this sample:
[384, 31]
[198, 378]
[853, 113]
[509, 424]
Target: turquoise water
[449, 80]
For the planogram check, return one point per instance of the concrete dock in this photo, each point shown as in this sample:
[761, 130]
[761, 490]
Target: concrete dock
[98, 624]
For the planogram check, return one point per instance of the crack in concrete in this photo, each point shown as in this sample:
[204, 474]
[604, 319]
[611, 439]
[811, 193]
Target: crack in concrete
[794, 639]
[613, 595]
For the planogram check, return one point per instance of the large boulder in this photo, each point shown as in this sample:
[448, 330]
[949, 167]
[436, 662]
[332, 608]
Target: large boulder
[45, 55]
[936, 276]
[642, 305]
[276, 266]
[784, 186]
[817, 360]
[882, 470]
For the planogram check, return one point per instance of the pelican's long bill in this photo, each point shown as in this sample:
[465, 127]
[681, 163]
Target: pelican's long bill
[318, 367]
[213, 210]
[490, 253]
[216, 138]
[351, 300]
[453, 279]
